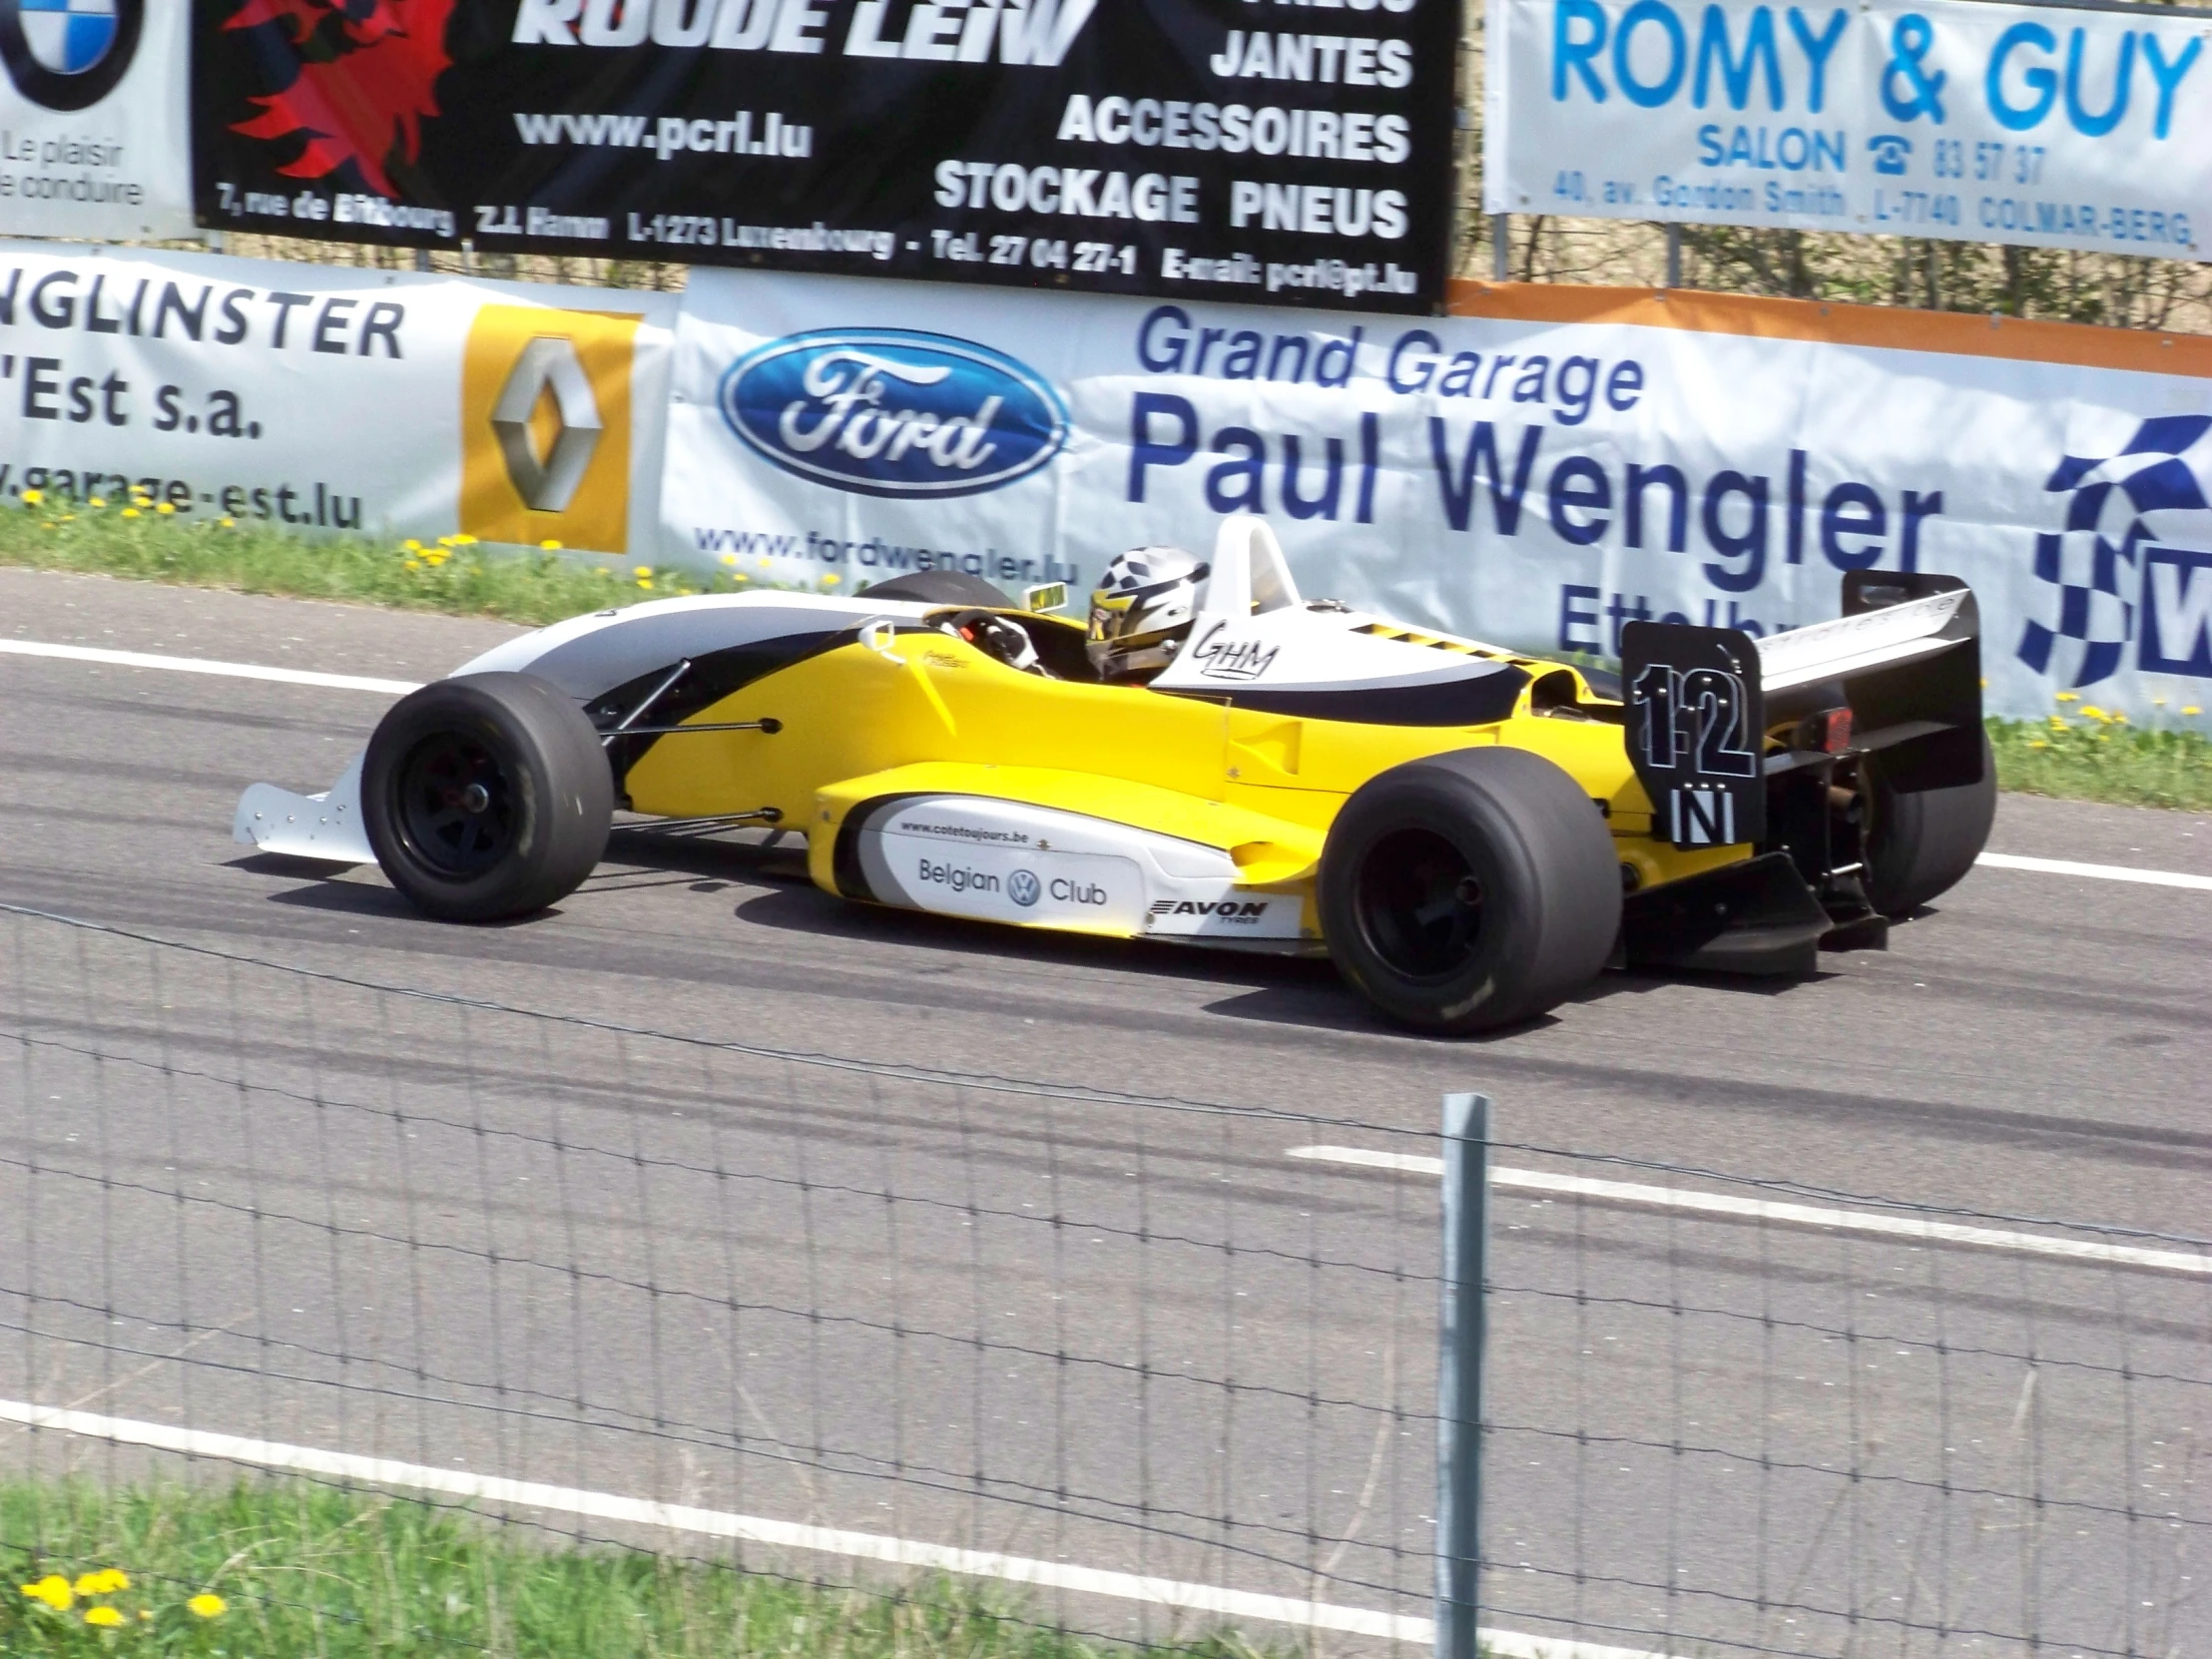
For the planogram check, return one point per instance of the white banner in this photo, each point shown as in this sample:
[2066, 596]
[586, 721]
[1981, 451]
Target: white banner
[1535, 483]
[2032, 124]
[94, 140]
[332, 399]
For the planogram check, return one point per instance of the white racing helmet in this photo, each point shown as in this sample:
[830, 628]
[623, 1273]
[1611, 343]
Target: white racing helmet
[1141, 610]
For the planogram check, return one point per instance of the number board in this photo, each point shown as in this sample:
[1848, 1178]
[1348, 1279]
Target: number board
[1696, 721]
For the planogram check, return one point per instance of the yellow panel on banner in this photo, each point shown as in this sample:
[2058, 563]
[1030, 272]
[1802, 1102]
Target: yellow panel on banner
[545, 426]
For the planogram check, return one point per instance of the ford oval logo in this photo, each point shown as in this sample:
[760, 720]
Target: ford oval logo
[893, 411]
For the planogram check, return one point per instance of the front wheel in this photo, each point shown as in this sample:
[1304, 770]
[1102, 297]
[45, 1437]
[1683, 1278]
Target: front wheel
[1469, 889]
[486, 796]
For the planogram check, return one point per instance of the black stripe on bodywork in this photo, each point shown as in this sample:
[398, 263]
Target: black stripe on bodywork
[708, 681]
[1476, 700]
[846, 868]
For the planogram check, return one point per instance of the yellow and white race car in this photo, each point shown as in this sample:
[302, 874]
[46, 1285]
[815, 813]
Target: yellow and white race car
[1469, 832]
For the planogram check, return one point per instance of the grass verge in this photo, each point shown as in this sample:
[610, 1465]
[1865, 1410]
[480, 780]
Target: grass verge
[280, 1570]
[2079, 754]
[456, 575]
[2084, 752]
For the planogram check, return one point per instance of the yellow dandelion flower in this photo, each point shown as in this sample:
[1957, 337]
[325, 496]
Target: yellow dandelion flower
[644, 582]
[464, 539]
[411, 545]
[99, 501]
[446, 541]
[762, 562]
[550, 545]
[2058, 723]
[32, 499]
[2159, 702]
[413, 564]
[105, 1617]
[642, 570]
[66, 517]
[228, 523]
[832, 580]
[2037, 742]
[2067, 696]
[130, 512]
[2092, 712]
[2119, 717]
[105, 1583]
[49, 524]
[54, 1590]
[603, 571]
[729, 558]
[144, 1615]
[164, 507]
[741, 577]
[207, 1605]
[2192, 709]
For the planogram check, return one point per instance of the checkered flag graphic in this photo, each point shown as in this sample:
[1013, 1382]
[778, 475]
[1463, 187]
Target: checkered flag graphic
[2106, 525]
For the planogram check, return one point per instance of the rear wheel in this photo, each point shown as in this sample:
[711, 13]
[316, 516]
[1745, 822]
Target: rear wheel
[1921, 844]
[1469, 889]
[486, 796]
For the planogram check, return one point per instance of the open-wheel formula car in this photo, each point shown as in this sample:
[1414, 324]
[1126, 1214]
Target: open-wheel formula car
[1468, 832]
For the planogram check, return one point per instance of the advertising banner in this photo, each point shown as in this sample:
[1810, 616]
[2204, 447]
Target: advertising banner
[1256, 149]
[1540, 475]
[326, 399]
[94, 140]
[2043, 125]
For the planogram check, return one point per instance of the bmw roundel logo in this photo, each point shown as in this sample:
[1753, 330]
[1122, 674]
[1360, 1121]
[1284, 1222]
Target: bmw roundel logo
[1023, 887]
[68, 54]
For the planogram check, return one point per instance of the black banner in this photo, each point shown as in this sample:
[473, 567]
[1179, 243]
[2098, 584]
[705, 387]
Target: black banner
[1290, 151]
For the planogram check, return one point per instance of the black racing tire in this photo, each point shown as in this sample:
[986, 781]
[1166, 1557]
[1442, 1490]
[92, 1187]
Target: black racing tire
[1921, 844]
[1469, 891]
[943, 587]
[486, 796]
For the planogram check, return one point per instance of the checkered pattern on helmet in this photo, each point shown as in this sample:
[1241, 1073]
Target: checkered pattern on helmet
[2093, 619]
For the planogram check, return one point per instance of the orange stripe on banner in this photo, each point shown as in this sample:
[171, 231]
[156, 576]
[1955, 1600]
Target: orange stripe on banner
[1890, 327]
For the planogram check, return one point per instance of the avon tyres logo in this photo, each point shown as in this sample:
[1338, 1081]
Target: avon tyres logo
[68, 54]
[367, 73]
[545, 426]
[889, 411]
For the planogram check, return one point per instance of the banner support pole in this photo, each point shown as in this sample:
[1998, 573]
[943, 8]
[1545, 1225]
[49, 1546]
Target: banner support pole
[1674, 256]
[1501, 247]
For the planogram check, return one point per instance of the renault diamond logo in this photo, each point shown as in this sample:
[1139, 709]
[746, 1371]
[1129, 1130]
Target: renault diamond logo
[548, 363]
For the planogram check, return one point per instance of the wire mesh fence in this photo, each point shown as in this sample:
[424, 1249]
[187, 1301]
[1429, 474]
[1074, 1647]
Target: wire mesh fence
[1143, 1369]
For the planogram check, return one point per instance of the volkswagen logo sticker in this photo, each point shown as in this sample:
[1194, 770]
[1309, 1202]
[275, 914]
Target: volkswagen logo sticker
[1023, 888]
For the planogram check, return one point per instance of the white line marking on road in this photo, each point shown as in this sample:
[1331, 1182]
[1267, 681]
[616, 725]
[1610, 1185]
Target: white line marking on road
[717, 1523]
[2101, 873]
[1919, 1228]
[204, 665]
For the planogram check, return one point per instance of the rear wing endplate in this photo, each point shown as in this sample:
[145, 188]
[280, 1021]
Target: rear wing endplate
[1904, 659]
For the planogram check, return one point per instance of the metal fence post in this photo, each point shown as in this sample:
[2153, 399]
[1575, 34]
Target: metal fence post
[1459, 1374]
[1501, 247]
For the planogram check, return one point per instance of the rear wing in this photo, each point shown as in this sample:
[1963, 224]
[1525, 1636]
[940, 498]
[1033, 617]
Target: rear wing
[1714, 714]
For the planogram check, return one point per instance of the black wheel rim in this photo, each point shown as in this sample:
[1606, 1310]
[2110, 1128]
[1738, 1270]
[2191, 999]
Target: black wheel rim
[1419, 904]
[457, 805]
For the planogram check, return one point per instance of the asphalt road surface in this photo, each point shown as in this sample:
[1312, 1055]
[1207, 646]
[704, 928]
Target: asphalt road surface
[263, 1205]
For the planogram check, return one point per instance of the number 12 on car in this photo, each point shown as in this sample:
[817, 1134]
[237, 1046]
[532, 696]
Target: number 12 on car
[1695, 721]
